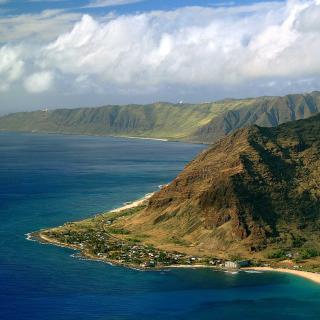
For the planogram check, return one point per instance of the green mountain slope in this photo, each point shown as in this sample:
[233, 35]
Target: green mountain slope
[161, 120]
[190, 122]
[264, 112]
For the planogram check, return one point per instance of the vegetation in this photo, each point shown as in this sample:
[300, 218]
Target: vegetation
[95, 237]
[307, 253]
[206, 122]
[118, 231]
[277, 254]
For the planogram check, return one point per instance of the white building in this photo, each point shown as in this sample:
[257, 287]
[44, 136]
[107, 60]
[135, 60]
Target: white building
[231, 265]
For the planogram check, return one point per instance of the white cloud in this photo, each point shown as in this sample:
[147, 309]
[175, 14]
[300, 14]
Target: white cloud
[192, 46]
[11, 66]
[200, 51]
[39, 82]
[110, 3]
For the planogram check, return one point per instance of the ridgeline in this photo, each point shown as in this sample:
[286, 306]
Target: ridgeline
[204, 123]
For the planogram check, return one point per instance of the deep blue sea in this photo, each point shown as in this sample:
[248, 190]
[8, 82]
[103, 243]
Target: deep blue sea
[46, 180]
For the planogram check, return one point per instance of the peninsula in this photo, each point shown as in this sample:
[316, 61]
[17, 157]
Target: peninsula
[252, 199]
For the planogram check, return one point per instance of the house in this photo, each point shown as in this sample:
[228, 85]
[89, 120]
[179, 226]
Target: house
[148, 264]
[231, 265]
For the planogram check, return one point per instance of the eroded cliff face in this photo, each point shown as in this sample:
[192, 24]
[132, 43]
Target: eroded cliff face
[264, 112]
[256, 188]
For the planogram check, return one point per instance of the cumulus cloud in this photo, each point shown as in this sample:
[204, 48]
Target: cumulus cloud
[11, 66]
[203, 50]
[39, 82]
[193, 46]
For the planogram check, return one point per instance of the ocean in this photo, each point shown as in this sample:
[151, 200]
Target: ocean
[46, 180]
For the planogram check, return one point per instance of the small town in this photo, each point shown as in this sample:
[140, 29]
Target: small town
[104, 246]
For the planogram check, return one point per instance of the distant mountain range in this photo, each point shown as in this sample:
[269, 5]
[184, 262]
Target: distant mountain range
[205, 123]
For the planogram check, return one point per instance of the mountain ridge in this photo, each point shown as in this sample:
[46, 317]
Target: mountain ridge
[254, 190]
[204, 123]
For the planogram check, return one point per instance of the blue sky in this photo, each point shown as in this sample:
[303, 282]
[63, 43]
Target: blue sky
[29, 6]
[97, 52]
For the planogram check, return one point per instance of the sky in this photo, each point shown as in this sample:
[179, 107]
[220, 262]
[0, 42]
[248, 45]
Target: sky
[75, 53]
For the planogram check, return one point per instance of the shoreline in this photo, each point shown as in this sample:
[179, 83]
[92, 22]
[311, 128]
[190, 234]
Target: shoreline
[143, 138]
[39, 237]
[92, 135]
[314, 277]
[133, 204]
[43, 239]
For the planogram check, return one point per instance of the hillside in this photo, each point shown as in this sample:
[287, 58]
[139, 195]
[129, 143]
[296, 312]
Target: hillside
[205, 122]
[255, 190]
[159, 120]
[253, 194]
[264, 112]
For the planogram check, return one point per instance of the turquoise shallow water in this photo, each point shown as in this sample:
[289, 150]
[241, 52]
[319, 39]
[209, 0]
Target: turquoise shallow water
[46, 180]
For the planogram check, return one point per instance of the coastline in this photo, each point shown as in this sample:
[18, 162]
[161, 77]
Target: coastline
[38, 236]
[93, 135]
[42, 238]
[314, 277]
[134, 204]
[142, 138]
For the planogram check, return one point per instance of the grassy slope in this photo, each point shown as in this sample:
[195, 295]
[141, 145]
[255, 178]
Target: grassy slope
[264, 111]
[190, 122]
[159, 120]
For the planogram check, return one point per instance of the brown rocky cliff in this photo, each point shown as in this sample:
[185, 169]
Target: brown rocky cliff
[255, 188]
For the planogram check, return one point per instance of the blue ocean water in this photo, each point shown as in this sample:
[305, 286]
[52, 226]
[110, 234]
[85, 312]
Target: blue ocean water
[46, 180]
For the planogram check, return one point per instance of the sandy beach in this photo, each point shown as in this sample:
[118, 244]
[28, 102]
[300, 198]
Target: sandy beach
[315, 277]
[134, 203]
[141, 138]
